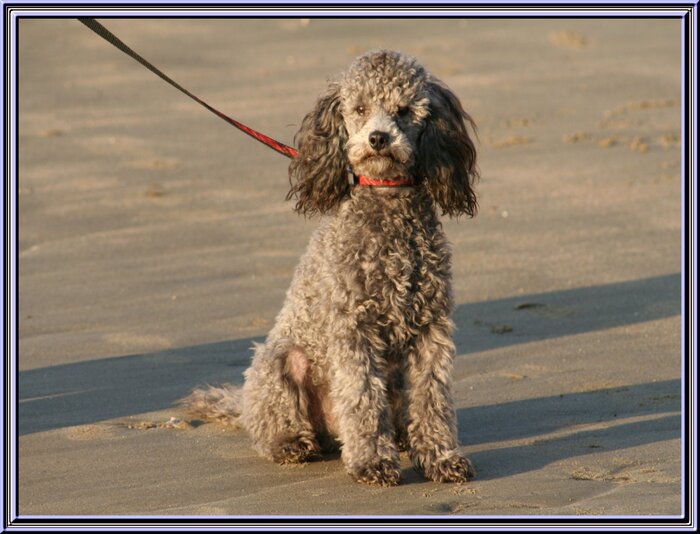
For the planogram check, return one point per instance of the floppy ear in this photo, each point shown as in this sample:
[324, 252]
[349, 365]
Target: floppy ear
[317, 174]
[446, 154]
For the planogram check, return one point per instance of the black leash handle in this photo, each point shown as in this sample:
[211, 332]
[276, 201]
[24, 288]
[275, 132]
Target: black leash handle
[108, 36]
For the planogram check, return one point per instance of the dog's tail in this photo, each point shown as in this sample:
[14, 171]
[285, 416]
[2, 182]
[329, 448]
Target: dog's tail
[215, 403]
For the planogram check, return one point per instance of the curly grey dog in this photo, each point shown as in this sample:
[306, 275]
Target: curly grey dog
[361, 353]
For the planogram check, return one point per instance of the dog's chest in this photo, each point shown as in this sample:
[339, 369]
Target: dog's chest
[403, 272]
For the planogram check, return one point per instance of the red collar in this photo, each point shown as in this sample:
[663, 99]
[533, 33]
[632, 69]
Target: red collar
[394, 182]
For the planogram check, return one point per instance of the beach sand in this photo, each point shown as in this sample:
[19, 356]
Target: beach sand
[156, 246]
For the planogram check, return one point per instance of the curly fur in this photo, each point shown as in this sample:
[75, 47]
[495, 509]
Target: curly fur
[361, 353]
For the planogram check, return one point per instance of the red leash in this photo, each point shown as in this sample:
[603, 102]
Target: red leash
[283, 149]
[108, 36]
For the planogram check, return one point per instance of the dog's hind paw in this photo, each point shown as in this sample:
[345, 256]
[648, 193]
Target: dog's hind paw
[455, 468]
[381, 473]
[295, 449]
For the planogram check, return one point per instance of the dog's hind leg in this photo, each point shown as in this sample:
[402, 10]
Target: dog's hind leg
[276, 405]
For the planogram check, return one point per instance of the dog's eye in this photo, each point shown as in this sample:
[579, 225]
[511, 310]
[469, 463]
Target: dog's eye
[360, 110]
[403, 112]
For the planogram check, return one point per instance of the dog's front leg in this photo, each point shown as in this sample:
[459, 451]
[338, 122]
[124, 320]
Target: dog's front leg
[432, 428]
[363, 416]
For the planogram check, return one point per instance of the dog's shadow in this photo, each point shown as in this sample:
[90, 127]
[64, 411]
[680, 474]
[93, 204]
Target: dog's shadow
[97, 390]
[547, 429]
[93, 391]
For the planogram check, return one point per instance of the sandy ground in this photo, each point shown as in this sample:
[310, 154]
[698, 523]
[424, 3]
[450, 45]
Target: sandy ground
[156, 246]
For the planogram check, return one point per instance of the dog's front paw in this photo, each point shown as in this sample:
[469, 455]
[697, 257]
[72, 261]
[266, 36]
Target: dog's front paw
[381, 473]
[295, 449]
[454, 468]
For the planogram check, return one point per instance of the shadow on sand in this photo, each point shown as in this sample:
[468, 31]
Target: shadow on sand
[536, 418]
[88, 392]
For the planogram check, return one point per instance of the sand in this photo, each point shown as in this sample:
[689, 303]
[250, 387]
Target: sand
[156, 246]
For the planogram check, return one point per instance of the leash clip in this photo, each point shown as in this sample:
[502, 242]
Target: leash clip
[352, 178]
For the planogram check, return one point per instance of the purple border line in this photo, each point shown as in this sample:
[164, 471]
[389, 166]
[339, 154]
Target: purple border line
[13, 290]
[470, 13]
[13, 183]
[693, 274]
[13, 169]
[368, 4]
[682, 243]
[8, 257]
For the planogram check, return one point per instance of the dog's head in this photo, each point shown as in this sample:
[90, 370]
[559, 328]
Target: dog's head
[386, 117]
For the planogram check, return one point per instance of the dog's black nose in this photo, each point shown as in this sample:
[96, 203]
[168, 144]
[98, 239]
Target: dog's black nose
[378, 140]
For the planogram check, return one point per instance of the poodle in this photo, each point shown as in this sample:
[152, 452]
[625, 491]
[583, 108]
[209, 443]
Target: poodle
[360, 355]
